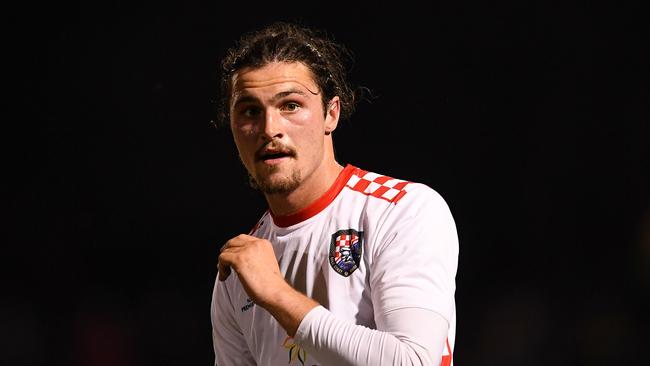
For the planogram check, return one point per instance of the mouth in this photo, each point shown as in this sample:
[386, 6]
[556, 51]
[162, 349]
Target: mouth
[271, 156]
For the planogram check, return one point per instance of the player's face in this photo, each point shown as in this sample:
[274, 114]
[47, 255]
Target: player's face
[278, 123]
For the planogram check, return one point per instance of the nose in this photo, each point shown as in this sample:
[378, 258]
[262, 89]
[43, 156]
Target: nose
[272, 125]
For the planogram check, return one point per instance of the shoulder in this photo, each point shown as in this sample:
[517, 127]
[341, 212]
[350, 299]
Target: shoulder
[421, 195]
[397, 193]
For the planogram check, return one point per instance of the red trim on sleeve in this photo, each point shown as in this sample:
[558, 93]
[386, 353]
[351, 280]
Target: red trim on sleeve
[446, 359]
[319, 205]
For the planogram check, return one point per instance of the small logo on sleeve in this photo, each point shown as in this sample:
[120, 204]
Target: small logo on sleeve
[345, 251]
[249, 304]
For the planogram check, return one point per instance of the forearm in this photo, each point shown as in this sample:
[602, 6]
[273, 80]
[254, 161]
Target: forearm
[288, 306]
[414, 337]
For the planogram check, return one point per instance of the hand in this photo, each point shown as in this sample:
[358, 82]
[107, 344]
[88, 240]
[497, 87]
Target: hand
[256, 265]
[259, 273]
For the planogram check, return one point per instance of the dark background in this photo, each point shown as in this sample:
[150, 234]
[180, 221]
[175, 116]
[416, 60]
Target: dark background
[531, 120]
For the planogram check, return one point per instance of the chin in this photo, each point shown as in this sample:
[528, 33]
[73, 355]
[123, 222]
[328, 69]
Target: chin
[276, 183]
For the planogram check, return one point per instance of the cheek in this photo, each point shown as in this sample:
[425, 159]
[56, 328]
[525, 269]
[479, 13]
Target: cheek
[308, 129]
[243, 128]
[311, 140]
[305, 118]
[245, 142]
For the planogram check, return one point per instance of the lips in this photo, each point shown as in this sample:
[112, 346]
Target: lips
[273, 152]
[273, 155]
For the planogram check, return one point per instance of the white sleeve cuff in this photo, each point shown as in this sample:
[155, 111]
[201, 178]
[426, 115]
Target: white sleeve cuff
[314, 315]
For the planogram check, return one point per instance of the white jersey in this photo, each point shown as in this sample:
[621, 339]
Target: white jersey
[370, 245]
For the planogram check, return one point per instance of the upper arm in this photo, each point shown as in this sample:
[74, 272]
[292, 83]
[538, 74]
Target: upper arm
[415, 258]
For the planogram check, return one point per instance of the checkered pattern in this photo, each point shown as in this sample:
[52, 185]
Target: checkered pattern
[380, 186]
[342, 241]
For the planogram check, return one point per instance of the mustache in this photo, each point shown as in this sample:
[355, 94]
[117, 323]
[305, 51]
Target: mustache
[274, 147]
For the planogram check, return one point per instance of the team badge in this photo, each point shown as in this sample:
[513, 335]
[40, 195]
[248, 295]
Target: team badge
[345, 251]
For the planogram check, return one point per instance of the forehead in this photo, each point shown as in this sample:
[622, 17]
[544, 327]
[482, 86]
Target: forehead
[273, 76]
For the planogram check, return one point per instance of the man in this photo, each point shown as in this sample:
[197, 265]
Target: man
[346, 267]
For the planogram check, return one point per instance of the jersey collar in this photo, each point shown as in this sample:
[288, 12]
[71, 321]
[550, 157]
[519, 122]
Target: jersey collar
[318, 205]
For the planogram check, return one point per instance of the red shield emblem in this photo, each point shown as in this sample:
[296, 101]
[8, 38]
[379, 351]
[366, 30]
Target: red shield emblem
[345, 251]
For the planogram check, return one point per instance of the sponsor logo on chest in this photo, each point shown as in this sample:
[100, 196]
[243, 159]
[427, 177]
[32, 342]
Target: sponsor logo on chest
[249, 304]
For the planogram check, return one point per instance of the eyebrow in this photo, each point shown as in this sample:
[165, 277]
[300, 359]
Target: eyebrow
[280, 95]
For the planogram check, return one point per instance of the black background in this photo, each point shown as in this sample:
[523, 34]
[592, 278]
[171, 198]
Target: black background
[531, 120]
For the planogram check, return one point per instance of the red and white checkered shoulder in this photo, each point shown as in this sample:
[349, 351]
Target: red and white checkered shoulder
[376, 185]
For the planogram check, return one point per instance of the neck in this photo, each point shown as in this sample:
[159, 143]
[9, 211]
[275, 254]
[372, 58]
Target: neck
[312, 188]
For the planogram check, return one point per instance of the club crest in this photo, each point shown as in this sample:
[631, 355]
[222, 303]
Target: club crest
[345, 251]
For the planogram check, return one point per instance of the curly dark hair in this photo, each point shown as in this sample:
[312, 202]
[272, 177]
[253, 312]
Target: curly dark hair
[328, 60]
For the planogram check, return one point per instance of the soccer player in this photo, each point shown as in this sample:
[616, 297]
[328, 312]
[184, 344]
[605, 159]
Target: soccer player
[347, 266]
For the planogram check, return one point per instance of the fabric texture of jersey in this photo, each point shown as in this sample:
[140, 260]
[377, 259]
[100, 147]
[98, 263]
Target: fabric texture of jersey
[370, 245]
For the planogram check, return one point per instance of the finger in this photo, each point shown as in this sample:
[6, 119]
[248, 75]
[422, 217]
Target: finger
[224, 269]
[246, 237]
[224, 272]
[235, 242]
[241, 240]
[226, 245]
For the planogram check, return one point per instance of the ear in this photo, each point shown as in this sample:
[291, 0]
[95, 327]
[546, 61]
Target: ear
[332, 115]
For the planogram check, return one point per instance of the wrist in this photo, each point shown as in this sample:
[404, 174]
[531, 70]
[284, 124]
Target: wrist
[289, 306]
[275, 295]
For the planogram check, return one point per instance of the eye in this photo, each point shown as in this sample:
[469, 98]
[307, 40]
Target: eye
[250, 112]
[291, 107]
